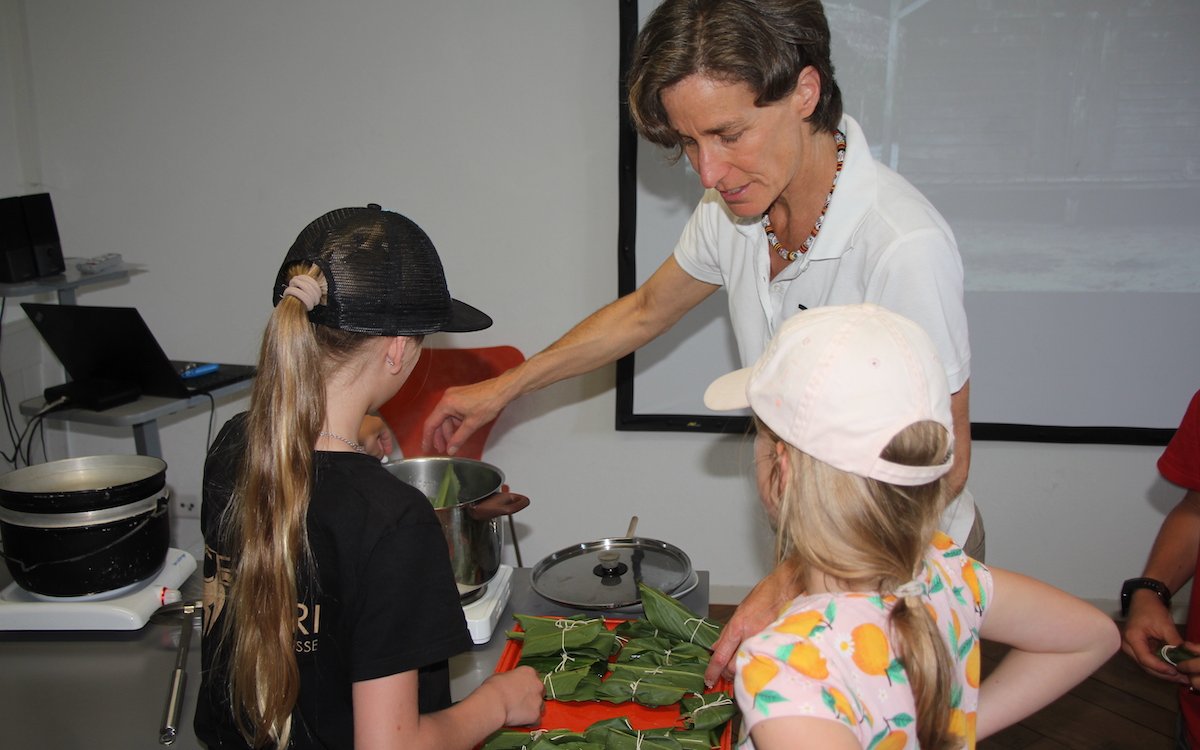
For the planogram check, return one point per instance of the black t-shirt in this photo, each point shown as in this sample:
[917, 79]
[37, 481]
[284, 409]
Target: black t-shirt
[384, 599]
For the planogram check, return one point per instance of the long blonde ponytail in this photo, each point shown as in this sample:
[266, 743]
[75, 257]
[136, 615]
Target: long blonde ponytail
[266, 521]
[871, 534]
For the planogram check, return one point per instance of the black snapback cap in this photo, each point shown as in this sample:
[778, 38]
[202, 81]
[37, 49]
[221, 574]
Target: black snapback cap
[384, 276]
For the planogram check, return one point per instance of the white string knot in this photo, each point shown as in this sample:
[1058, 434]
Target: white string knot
[306, 289]
[564, 625]
[700, 622]
[724, 700]
[562, 663]
[633, 686]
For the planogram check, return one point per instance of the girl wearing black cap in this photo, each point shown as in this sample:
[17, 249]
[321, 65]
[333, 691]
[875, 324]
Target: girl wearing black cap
[330, 605]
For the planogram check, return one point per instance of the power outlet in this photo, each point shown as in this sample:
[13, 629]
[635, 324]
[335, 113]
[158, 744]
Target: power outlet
[185, 506]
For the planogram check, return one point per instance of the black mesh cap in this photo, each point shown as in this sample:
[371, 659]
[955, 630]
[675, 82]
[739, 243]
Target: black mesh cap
[384, 276]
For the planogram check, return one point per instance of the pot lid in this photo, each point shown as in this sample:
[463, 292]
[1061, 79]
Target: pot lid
[604, 574]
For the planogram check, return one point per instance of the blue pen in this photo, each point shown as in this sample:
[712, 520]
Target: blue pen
[195, 370]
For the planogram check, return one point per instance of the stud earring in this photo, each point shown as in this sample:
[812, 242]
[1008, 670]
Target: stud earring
[389, 361]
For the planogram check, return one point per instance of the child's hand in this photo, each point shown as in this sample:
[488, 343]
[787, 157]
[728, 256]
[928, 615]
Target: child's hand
[522, 693]
[376, 437]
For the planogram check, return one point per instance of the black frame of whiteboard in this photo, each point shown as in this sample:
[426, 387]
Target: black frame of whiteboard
[626, 419]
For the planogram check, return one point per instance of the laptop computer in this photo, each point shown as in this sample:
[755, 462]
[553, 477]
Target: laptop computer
[112, 348]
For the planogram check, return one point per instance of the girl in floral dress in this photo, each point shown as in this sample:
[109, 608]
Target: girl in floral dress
[883, 650]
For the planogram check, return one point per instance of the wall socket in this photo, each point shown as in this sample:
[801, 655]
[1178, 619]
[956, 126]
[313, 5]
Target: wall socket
[184, 505]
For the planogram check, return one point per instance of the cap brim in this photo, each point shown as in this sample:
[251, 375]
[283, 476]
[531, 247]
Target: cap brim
[728, 392]
[464, 318]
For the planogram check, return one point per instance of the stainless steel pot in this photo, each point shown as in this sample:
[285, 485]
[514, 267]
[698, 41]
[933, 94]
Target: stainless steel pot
[84, 526]
[472, 525]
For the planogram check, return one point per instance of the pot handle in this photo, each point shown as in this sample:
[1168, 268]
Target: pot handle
[500, 504]
[170, 724]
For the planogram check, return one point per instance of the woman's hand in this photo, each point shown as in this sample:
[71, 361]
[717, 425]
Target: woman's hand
[758, 610]
[460, 412]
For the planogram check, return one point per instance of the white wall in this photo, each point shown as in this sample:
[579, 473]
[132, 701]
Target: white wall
[198, 138]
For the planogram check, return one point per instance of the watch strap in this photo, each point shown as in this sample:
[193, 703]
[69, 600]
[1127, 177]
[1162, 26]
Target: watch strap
[1153, 584]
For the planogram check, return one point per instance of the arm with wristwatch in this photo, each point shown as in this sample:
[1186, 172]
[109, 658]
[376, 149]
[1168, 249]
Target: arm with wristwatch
[1146, 601]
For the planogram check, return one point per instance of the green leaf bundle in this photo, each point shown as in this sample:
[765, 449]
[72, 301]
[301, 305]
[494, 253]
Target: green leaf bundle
[707, 710]
[670, 615]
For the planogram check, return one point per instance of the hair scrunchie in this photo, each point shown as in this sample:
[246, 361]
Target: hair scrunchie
[912, 588]
[306, 289]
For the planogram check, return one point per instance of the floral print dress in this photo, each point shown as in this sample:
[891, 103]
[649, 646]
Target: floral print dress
[830, 656]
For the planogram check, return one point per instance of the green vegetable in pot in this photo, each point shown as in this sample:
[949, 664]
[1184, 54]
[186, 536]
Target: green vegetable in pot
[447, 494]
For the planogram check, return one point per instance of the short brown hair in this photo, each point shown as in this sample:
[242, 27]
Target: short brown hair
[764, 44]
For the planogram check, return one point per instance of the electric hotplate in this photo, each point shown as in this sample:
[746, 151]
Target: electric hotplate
[127, 608]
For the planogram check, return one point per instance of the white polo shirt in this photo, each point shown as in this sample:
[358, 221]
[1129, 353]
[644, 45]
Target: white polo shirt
[881, 242]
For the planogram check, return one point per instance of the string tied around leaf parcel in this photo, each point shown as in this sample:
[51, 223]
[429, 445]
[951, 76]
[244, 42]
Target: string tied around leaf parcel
[700, 623]
[549, 685]
[722, 700]
[566, 625]
[633, 687]
[563, 662]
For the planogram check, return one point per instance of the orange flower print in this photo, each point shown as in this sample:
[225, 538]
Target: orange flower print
[838, 703]
[963, 725]
[896, 740]
[971, 578]
[802, 624]
[806, 659]
[757, 673]
[973, 665]
[872, 652]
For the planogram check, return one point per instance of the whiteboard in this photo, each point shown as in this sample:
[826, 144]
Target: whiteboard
[1061, 140]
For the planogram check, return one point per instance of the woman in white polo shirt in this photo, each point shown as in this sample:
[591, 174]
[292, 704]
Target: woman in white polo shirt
[796, 214]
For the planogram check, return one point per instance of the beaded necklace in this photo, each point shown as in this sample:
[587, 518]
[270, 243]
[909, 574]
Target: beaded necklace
[839, 140]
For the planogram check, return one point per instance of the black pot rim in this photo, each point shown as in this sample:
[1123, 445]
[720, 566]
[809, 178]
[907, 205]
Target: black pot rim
[62, 486]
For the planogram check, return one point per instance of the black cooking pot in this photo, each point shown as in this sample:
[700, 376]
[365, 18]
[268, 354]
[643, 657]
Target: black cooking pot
[84, 526]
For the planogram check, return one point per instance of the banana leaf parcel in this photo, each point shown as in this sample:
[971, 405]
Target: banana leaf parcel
[707, 710]
[651, 684]
[669, 614]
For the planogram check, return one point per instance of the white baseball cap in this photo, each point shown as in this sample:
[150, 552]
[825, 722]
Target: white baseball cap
[839, 383]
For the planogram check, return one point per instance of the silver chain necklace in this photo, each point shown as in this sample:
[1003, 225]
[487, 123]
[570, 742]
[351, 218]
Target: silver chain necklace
[356, 446]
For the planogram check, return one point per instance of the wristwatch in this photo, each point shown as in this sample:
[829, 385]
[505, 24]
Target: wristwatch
[1133, 584]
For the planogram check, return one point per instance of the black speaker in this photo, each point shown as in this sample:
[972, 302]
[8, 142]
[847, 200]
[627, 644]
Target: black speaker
[16, 254]
[43, 234]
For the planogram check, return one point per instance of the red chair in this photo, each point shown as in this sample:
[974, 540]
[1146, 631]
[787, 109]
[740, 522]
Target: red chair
[435, 371]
